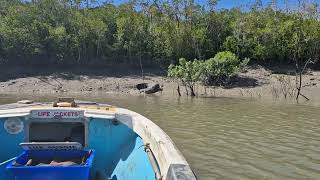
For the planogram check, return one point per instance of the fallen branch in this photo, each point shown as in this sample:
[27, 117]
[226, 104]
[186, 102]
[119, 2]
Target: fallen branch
[304, 97]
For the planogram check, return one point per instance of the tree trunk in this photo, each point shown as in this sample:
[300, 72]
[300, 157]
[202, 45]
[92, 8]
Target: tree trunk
[178, 90]
[140, 61]
[192, 91]
[299, 85]
[186, 88]
[98, 44]
[79, 55]
[299, 82]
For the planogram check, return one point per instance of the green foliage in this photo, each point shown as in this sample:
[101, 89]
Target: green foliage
[189, 72]
[223, 64]
[156, 32]
[271, 37]
[221, 67]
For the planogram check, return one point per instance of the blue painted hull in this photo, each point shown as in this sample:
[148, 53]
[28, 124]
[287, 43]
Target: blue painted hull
[119, 151]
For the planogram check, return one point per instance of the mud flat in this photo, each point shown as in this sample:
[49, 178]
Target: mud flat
[256, 82]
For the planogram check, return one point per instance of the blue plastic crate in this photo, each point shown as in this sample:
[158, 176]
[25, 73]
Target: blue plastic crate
[78, 172]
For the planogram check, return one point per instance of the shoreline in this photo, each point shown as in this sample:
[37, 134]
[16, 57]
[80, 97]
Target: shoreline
[256, 82]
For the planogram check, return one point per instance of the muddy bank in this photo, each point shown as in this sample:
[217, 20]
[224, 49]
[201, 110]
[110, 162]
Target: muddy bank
[256, 82]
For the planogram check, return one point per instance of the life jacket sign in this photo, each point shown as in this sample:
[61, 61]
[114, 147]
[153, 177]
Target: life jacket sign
[57, 114]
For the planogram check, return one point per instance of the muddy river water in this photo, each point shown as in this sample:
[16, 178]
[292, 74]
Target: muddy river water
[231, 138]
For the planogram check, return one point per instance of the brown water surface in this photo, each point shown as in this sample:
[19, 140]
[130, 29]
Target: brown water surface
[227, 138]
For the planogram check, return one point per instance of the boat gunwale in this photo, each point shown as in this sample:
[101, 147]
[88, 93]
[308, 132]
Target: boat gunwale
[164, 149]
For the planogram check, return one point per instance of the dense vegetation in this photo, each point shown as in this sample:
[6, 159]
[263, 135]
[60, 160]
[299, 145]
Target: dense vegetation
[153, 32]
[214, 71]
